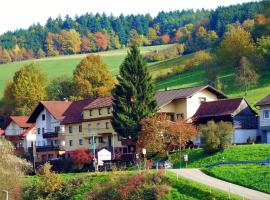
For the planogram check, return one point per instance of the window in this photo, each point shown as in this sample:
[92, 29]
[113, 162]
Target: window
[90, 113]
[80, 141]
[180, 116]
[70, 129]
[80, 128]
[57, 129]
[99, 111]
[119, 137]
[266, 114]
[90, 127]
[98, 126]
[202, 99]
[43, 130]
[38, 130]
[100, 140]
[108, 110]
[70, 142]
[43, 117]
[107, 125]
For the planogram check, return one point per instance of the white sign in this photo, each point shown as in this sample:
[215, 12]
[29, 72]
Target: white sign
[144, 151]
[186, 158]
[103, 155]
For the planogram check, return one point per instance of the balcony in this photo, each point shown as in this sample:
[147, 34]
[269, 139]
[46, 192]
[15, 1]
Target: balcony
[54, 133]
[49, 148]
[50, 134]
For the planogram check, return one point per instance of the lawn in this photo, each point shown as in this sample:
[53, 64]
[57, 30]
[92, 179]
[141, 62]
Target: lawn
[190, 190]
[198, 159]
[180, 189]
[64, 65]
[252, 176]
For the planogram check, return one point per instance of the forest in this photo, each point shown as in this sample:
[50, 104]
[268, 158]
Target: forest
[197, 29]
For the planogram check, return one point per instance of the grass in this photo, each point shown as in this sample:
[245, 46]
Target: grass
[252, 176]
[64, 65]
[190, 190]
[198, 159]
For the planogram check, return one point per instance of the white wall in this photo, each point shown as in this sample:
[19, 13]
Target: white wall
[241, 135]
[264, 122]
[30, 137]
[13, 129]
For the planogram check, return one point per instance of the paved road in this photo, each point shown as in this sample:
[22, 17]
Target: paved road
[198, 176]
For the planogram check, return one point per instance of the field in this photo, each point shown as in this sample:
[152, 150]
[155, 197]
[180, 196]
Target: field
[252, 176]
[64, 65]
[180, 189]
[198, 159]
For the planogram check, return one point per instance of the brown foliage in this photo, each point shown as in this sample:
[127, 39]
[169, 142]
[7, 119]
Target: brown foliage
[102, 41]
[165, 38]
[81, 157]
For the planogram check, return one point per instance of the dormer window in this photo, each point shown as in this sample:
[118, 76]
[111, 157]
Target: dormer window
[99, 111]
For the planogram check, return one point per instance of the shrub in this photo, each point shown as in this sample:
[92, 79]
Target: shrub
[81, 157]
[216, 136]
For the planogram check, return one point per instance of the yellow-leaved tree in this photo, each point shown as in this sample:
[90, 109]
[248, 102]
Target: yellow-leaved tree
[91, 78]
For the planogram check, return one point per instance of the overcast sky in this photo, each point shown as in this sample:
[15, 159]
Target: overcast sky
[16, 14]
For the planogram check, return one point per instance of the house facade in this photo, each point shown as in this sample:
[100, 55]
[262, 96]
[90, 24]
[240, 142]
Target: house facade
[20, 133]
[237, 111]
[185, 102]
[50, 142]
[264, 122]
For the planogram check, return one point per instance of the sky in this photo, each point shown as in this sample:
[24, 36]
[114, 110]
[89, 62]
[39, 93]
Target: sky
[15, 14]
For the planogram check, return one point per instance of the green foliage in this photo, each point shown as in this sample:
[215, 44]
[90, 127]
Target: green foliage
[216, 136]
[91, 78]
[60, 88]
[264, 47]
[199, 158]
[26, 90]
[134, 95]
[256, 177]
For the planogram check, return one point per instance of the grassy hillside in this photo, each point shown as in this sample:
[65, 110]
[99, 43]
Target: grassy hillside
[64, 65]
[196, 77]
[197, 157]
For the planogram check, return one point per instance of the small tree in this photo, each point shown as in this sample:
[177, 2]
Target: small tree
[81, 157]
[246, 75]
[216, 136]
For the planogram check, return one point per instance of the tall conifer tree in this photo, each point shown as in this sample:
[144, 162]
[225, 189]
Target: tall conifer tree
[134, 96]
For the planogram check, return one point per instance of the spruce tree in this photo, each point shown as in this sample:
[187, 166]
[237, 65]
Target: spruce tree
[133, 96]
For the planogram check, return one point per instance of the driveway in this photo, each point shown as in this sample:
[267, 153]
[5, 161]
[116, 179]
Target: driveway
[198, 176]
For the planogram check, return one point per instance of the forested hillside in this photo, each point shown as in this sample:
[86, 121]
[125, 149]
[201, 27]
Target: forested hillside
[198, 29]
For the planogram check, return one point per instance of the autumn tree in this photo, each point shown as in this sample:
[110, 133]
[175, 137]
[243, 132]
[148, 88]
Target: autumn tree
[41, 53]
[152, 35]
[134, 38]
[52, 44]
[4, 56]
[12, 168]
[70, 41]
[134, 95]
[102, 41]
[237, 43]
[246, 76]
[216, 136]
[85, 44]
[114, 41]
[60, 88]
[91, 78]
[92, 41]
[82, 157]
[165, 38]
[26, 90]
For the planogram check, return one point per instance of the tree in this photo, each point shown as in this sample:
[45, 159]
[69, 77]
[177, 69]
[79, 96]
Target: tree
[216, 136]
[41, 53]
[85, 44]
[27, 89]
[60, 88]
[70, 41]
[51, 44]
[246, 75]
[134, 95]
[152, 35]
[102, 41]
[4, 56]
[12, 167]
[237, 43]
[8, 102]
[91, 78]
[165, 38]
[92, 41]
[263, 46]
[82, 157]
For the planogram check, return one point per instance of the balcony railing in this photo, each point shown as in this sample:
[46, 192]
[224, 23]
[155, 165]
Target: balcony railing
[52, 133]
[49, 148]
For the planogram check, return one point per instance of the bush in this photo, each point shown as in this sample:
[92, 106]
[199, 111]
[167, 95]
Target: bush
[216, 136]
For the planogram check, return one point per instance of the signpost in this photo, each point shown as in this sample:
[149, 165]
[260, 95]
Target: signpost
[186, 159]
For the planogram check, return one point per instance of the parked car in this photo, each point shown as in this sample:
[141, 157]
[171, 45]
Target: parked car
[163, 164]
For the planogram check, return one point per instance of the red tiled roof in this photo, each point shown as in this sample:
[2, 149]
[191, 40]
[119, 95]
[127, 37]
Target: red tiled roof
[167, 96]
[265, 101]
[55, 108]
[218, 108]
[74, 113]
[21, 121]
[100, 102]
